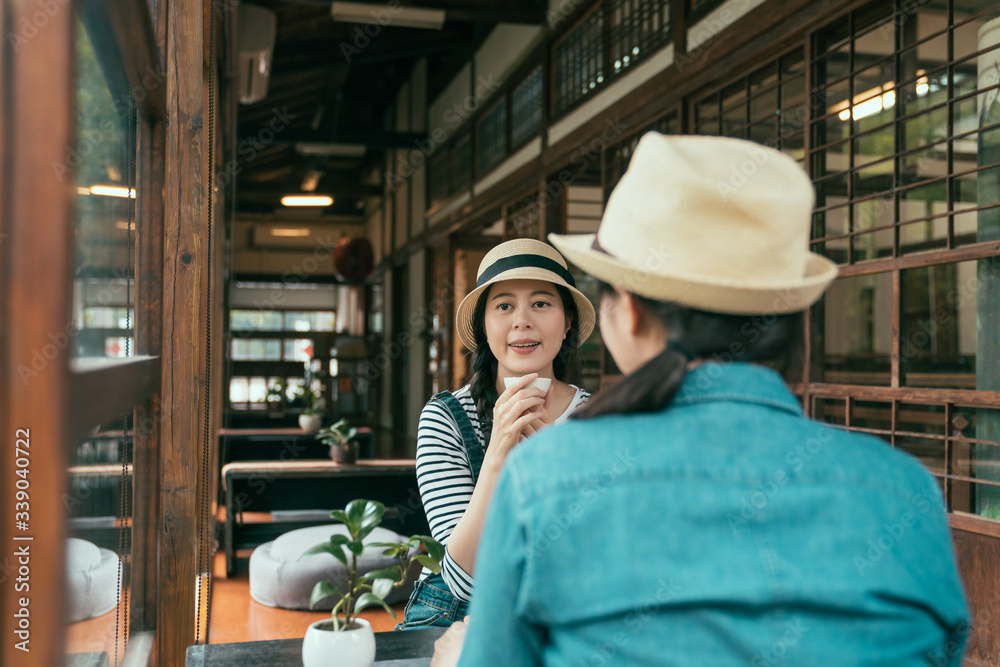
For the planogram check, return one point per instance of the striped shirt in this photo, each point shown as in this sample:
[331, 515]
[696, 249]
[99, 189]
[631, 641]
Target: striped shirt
[444, 475]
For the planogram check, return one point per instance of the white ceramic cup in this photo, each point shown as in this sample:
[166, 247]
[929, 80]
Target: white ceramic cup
[541, 383]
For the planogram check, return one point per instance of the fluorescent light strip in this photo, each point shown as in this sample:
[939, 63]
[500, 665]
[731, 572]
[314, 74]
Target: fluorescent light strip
[112, 191]
[289, 232]
[302, 200]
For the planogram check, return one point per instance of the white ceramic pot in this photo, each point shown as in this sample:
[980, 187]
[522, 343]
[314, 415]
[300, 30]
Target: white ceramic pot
[322, 647]
[310, 422]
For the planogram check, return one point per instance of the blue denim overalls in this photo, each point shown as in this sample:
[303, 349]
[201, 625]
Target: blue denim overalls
[432, 602]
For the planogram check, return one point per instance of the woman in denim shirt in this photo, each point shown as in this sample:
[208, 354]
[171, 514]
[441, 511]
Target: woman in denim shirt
[693, 515]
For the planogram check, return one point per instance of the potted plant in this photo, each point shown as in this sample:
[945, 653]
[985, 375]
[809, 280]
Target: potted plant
[340, 438]
[311, 396]
[344, 638]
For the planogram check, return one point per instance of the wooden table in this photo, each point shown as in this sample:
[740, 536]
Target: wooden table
[413, 648]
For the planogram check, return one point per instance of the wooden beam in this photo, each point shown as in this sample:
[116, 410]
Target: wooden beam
[124, 41]
[105, 389]
[184, 260]
[36, 254]
[969, 397]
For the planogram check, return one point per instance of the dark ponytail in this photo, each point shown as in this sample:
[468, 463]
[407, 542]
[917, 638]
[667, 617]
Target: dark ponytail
[483, 365]
[776, 341]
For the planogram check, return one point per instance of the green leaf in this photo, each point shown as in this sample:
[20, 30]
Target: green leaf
[357, 546]
[382, 587]
[428, 562]
[368, 600]
[371, 517]
[326, 548]
[434, 548]
[388, 573]
[321, 591]
[340, 516]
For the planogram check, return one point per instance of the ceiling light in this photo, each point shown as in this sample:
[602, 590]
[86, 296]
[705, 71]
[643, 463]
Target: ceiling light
[294, 232]
[340, 150]
[82, 190]
[302, 200]
[403, 17]
[311, 180]
[125, 225]
[112, 191]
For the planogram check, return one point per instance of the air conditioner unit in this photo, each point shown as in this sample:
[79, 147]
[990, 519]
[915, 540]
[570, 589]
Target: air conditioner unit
[255, 32]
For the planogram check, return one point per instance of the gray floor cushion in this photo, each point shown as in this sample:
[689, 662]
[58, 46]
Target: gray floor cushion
[91, 579]
[278, 578]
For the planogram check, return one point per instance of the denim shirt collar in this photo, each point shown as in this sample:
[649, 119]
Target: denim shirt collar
[738, 381]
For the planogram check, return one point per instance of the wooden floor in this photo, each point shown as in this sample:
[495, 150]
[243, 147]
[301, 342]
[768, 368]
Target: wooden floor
[235, 618]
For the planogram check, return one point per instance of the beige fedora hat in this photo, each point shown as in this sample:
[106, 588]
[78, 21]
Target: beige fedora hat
[711, 223]
[525, 259]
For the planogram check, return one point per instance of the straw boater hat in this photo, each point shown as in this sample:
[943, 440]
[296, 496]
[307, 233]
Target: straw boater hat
[525, 259]
[710, 223]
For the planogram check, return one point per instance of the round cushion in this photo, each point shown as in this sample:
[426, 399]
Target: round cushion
[280, 578]
[91, 579]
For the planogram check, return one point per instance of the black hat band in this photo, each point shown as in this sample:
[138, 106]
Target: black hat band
[521, 261]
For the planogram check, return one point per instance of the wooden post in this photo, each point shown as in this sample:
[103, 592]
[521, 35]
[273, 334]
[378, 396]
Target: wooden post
[36, 131]
[184, 260]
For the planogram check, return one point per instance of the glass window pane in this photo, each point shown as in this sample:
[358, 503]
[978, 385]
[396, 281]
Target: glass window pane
[239, 390]
[833, 187]
[707, 116]
[938, 326]
[925, 129]
[921, 418]
[830, 410]
[833, 160]
[325, 320]
[874, 178]
[854, 331]
[300, 349]
[928, 452]
[832, 222]
[258, 390]
[104, 226]
[875, 146]
[873, 245]
[872, 416]
[924, 91]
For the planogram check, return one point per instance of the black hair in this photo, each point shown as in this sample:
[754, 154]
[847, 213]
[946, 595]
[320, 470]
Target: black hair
[483, 365]
[777, 341]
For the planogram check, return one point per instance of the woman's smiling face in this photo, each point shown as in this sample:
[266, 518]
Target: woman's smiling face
[525, 327]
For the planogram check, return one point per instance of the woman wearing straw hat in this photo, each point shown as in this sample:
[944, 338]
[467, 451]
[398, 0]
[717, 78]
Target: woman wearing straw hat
[700, 518]
[524, 323]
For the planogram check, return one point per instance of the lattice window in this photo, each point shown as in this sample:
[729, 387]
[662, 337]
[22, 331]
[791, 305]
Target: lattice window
[905, 155]
[638, 28]
[491, 132]
[578, 59]
[906, 138]
[767, 106]
[526, 108]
